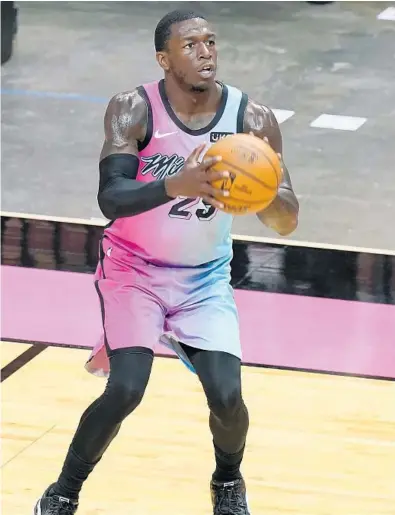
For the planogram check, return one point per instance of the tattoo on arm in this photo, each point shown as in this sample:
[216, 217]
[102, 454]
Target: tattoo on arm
[125, 124]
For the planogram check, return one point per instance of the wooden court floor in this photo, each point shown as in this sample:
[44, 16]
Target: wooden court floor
[318, 444]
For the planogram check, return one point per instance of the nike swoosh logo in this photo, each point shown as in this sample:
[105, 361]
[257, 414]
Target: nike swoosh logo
[159, 135]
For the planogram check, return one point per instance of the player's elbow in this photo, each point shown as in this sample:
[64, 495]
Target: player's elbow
[288, 225]
[290, 220]
[107, 204]
[287, 220]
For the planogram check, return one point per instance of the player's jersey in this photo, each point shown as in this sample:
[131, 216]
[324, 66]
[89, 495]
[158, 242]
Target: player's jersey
[185, 232]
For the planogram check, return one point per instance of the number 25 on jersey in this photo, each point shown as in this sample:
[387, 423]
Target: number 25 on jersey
[184, 209]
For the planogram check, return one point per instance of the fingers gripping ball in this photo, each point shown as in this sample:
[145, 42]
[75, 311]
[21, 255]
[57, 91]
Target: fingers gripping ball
[255, 173]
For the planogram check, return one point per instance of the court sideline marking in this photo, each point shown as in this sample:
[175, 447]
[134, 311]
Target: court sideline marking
[21, 360]
[387, 15]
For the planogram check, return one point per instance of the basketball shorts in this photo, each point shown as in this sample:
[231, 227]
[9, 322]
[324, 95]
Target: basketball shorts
[144, 305]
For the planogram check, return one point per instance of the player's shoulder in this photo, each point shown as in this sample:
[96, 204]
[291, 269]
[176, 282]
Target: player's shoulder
[258, 117]
[260, 113]
[130, 105]
[130, 99]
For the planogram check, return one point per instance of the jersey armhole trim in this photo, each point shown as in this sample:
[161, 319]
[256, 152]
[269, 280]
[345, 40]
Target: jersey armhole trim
[150, 122]
[240, 113]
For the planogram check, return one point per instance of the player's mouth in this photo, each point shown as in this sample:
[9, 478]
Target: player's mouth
[207, 71]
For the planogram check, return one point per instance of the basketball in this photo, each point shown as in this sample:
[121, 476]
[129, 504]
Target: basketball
[255, 173]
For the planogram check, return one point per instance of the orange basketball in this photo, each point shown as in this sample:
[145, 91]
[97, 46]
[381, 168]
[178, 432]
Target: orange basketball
[255, 173]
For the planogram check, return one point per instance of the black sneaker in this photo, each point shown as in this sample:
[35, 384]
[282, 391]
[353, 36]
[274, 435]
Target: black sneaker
[53, 504]
[229, 498]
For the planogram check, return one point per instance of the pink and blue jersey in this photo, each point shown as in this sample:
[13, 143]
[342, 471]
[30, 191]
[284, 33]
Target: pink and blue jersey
[185, 232]
[164, 275]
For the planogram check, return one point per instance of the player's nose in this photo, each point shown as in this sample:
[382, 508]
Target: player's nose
[204, 51]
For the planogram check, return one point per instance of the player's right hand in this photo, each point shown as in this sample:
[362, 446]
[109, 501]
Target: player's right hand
[194, 178]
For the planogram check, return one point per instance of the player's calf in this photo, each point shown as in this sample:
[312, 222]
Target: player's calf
[98, 426]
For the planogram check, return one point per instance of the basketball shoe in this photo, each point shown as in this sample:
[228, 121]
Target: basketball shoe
[229, 498]
[52, 504]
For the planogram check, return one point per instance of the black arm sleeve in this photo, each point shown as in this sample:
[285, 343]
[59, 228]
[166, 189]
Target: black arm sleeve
[120, 195]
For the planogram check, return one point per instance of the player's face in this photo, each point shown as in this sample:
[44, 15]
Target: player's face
[191, 55]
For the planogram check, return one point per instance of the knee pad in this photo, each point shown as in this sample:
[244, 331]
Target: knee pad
[129, 375]
[124, 397]
[225, 399]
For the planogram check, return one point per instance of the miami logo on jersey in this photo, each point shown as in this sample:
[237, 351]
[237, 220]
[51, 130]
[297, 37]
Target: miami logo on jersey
[161, 166]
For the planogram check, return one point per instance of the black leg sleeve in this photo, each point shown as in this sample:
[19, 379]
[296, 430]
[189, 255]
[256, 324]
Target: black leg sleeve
[101, 421]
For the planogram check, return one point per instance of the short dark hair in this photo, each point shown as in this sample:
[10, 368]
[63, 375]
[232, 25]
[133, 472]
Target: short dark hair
[163, 29]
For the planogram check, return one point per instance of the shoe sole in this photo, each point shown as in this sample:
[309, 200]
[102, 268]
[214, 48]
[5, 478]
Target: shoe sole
[37, 509]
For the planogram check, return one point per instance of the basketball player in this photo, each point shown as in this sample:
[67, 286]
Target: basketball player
[164, 267]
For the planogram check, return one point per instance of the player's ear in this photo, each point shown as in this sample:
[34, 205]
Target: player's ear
[163, 60]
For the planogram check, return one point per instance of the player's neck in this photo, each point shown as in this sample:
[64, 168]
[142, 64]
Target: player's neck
[190, 102]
